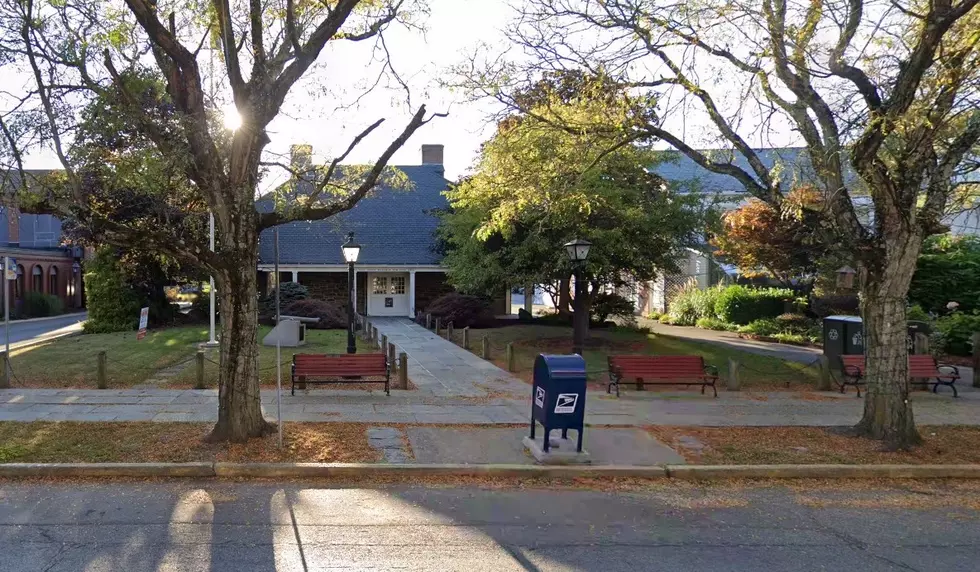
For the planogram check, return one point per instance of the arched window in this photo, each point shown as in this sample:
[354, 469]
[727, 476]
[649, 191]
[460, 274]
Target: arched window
[19, 290]
[53, 280]
[37, 279]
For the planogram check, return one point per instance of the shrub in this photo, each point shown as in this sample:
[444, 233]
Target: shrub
[793, 323]
[915, 313]
[788, 338]
[947, 270]
[713, 324]
[761, 327]
[605, 305]
[691, 303]
[113, 305]
[289, 292]
[40, 305]
[741, 305]
[655, 316]
[332, 317]
[956, 331]
[462, 310]
[832, 305]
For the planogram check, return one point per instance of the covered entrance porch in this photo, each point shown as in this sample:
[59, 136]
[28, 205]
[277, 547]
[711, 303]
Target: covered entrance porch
[396, 291]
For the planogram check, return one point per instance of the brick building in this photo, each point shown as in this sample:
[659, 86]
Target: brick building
[398, 271]
[33, 242]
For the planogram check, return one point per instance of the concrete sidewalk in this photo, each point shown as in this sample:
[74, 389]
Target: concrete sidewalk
[440, 367]
[634, 409]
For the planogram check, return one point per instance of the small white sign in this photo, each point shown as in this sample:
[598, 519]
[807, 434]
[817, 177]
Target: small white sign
[857, 339]
[10, 269]
[144, 318]
[539, 397]
[566, 403]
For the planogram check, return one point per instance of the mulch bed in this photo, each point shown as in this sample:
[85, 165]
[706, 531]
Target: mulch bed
[804, 445]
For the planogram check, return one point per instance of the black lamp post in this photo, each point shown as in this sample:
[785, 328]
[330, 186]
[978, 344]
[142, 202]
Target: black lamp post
[350, 249]
[577, 251]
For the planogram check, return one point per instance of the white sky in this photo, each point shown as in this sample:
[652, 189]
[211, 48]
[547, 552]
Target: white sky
[452, 29]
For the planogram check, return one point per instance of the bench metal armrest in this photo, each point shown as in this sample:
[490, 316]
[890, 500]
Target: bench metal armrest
[955, 371]
[711, 370]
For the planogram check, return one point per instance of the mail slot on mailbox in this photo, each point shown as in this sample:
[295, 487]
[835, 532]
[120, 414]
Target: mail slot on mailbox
[558, 396]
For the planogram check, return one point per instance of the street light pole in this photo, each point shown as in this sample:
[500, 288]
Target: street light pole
[351, 250]
[211, 341]
[577, 251]
[580, 318]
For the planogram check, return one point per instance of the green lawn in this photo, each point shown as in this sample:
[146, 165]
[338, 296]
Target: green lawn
[757, 372]
[317, 342]
[72, 361]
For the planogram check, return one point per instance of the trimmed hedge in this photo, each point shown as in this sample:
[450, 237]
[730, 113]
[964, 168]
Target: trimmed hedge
[463, 310]
[40, 305]
[332, 317]
[741, 305]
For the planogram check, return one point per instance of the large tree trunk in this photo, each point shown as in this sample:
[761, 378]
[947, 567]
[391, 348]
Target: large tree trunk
[239, 404]
[887, 411]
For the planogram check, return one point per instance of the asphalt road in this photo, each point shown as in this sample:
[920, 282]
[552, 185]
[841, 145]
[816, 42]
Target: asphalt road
[21, 331]
[241, 527]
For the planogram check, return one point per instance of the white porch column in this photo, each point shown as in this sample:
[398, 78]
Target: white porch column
[411, 293]
[295, 275]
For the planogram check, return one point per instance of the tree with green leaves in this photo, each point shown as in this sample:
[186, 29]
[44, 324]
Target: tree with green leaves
[884, 95]
[537, 187]
[133, 76]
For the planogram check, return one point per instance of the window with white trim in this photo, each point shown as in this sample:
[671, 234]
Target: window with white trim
[380, 285]
[397, 284]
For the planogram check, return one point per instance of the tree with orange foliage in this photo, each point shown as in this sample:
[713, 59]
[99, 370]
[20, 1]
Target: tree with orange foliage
[763, 240]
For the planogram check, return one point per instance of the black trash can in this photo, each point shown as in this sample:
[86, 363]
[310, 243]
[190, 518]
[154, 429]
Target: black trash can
[844, 335]
[558, 395]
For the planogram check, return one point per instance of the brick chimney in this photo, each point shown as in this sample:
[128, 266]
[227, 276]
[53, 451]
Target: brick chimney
[432, 154]
[12, 212]
[301, 157]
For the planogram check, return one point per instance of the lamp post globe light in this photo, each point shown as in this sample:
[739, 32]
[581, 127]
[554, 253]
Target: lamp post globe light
[578, 251]
[351, 250]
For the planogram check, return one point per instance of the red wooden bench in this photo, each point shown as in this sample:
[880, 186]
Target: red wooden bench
[921, 366]
[340, 368]
[661, 370]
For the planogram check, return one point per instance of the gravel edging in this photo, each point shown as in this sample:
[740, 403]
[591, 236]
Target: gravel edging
[411, 471]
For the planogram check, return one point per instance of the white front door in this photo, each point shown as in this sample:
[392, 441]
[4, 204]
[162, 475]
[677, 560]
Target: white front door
[387, 294]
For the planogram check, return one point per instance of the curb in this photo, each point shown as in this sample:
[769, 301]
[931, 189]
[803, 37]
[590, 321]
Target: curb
[414, 471]
[29, 320]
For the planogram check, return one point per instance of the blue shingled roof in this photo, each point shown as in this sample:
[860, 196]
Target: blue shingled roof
[688, 175]
[392, 226]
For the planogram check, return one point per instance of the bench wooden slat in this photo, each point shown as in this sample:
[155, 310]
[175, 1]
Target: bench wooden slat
[920, 367]
[660, 370]
[340, 368]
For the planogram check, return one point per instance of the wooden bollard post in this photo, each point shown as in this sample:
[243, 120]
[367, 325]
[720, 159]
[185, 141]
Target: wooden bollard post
[733, 383]
[200, 370]
[4, 375]
[101, 382]
[438, 325]
[366, 331]
[384, 342]
[466, 338]
[374, 334]
[403, 370]
[511, 366]
[976, 359]
[920, 346]
[428, 321]
[823, 383]
[486, 348]
[449, 331]
[391, 355]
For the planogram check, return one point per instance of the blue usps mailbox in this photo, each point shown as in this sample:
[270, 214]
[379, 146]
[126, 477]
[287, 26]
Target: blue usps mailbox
[558, 395]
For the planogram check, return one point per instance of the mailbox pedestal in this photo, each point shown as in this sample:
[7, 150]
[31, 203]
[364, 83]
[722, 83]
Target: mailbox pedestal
[558, 396]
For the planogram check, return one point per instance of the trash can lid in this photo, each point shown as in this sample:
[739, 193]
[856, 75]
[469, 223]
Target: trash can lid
[844, 318]
[557, 366]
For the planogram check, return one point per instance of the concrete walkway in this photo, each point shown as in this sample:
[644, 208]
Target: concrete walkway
[440, 367]
[647, 408]
[731, 340]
